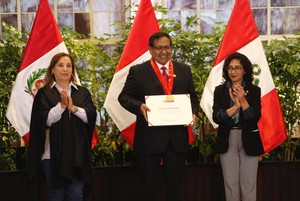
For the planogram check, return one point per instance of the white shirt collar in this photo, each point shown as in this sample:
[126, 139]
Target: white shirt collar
[166, 65]
[59, 88]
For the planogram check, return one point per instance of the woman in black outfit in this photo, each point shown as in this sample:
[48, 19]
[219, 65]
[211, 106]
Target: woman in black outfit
[237, 110]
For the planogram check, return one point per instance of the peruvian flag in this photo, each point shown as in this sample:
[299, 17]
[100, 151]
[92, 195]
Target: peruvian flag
[135, 52]
[241, 35]
[44, 42]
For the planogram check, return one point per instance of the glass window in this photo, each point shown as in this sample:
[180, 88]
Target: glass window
[209, 4]
[96, 17]
[81, 5]
[29, 6]
[173, 4]
[64, 5]
[27, 21]
[260, 16]
[65, 19]
[258, 3]
[82, 23]
[278, 2]
[111, 11]
[10, 19]
[277, 20]
[187, 13]
[189, 4]
[101, 27]
[293, 3]
[292, 21]
[207, 21]
[175, 15]
[8, 6]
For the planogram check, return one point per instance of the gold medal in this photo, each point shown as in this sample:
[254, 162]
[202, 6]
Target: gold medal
[169, 98]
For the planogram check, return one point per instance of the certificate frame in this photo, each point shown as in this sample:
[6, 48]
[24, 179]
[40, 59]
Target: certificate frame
[168, 110]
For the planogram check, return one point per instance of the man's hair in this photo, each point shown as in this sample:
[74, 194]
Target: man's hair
[158, 35]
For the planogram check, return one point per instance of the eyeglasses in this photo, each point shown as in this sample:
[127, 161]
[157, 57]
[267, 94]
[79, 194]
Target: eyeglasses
[234, 68]
[161, 48]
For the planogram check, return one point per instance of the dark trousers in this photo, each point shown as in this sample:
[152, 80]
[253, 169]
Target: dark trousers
[72, 189]
[173, 169]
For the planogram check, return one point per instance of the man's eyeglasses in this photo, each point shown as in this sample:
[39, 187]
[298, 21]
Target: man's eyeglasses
[234, 68]
[161, 48]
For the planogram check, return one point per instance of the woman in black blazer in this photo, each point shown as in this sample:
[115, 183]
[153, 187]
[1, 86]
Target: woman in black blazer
[237, 110]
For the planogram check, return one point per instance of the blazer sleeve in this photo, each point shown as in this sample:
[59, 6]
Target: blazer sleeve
[129, 96]
[254, 101]
[220, 105]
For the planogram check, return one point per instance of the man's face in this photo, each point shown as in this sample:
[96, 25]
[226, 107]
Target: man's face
[161, 52]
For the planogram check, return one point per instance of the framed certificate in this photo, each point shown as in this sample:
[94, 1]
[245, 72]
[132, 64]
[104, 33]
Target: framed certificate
[167, 110]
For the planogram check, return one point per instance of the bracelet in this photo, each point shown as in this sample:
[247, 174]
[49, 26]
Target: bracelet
[75, 109]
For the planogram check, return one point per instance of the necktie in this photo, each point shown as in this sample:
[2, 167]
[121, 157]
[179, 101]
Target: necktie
[164, 74]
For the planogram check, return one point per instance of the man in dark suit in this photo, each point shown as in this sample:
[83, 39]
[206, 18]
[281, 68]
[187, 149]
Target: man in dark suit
[159, 144]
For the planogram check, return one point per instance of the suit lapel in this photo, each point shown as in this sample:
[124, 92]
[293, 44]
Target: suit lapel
[153, 79]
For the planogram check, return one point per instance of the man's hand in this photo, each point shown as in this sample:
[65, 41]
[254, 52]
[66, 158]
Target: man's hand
[144, 109]
[193, 121]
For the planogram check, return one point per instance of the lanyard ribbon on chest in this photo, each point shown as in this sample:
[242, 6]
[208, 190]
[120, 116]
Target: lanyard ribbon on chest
[167, 85]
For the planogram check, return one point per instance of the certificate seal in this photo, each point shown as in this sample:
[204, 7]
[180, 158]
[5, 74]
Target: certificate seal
[169, 98]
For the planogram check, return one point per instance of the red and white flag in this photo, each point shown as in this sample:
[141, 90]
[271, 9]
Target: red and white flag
[44, 42]
[242, 36]
[135, 52]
